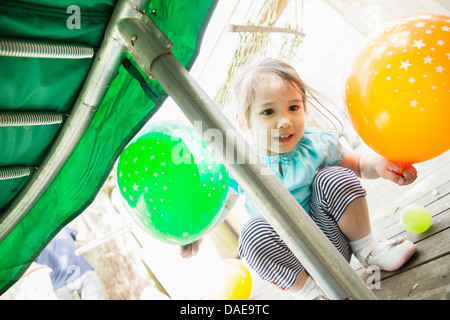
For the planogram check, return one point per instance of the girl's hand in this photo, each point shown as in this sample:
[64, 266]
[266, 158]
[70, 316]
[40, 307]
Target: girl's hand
[191, 249]
[394, 172]
[373, 166]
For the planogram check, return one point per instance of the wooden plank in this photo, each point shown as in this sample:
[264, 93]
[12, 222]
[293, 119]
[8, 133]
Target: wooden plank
[391, 226]
[427, 282]
[425, 200]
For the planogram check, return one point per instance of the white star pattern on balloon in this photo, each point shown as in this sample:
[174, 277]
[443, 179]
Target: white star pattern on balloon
[428, 59]
[420, 24]
[440, 69]
[405, 65]
[419, 44]
[414, 103]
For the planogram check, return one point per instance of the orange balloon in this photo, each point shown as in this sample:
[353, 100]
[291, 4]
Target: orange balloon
[397, 95]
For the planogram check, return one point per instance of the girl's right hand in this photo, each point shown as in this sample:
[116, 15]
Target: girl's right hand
[190, 250]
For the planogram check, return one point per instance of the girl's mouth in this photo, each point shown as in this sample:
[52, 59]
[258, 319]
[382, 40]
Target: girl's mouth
[285, 138]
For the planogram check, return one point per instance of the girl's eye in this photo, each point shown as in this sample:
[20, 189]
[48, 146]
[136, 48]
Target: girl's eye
[294, 108]
[267, 112]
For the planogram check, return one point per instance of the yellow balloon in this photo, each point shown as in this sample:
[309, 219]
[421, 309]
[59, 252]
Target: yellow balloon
[397, 95]
[232, 281]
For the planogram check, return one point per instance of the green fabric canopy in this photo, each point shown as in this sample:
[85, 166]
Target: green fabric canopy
[32, 84]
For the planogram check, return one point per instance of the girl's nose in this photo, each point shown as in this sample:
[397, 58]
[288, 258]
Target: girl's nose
[284, 123]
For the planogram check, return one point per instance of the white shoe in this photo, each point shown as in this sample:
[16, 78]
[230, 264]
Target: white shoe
[395, 254]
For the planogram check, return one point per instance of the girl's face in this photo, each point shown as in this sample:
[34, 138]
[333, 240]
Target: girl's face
[277, 116]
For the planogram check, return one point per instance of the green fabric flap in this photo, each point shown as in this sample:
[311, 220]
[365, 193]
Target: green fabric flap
[29, 84]
[130, 102]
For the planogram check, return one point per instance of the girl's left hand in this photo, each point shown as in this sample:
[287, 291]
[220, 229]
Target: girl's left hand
[394, 172]
[190, 250]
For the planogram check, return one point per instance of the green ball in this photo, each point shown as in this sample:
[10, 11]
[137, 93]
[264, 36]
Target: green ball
[173, 184]
[415, 218]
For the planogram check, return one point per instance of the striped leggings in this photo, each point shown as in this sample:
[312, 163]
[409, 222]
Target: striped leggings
[333, 189]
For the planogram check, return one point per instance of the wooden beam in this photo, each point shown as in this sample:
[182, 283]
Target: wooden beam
[263, 29]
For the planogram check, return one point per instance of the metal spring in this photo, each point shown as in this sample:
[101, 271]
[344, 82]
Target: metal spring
[21, 119]
[14, 173]
[44, 49]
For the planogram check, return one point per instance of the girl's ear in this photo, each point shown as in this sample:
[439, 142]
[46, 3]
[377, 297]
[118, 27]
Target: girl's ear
[241, 121]
[244, 128]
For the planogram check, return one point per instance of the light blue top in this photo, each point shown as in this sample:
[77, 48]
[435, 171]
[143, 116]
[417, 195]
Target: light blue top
[317, 149]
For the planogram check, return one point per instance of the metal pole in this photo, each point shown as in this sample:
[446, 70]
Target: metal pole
[278, 206]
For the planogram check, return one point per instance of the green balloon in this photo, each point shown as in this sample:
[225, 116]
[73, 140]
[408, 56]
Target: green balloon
[173, 183]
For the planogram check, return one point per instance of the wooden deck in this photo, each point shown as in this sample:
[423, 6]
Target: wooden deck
[427, 275]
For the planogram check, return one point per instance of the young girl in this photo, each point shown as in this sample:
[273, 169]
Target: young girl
[320, 174]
